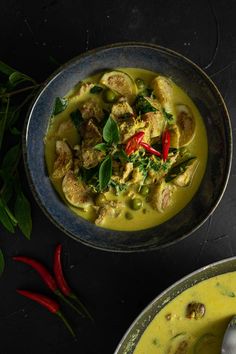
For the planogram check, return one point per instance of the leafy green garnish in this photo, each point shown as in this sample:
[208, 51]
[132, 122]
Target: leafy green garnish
[119, 187]
[23, 214]
[224, 290]
[111, 132]
[121, 155]
[145, 162]
[96, 89]
[101, 147]
[76, 118]
[60, 105]
[2, 262]
[168, 116]
[178, 169]
[142, 105]
[105, 172]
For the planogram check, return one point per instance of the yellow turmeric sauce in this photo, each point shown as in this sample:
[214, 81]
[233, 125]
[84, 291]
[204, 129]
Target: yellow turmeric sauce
[171, 326]
[146, 217]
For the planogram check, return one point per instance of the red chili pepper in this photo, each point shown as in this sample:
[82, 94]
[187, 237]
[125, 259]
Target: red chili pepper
[64, 287]
[133, 143]
[49, 304]
[150, 149]
[47, 278]
[165, 144]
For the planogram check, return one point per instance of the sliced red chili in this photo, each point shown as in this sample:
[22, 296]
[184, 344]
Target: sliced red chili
[150, 149]
[165, 144]
[133, 143]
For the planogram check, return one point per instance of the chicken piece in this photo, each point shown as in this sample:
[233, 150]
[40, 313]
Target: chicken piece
[163, 90]
[185, 178]
[76, 192]
[121, 109]
[174, 136]
[64, 160]
[128, 168]
[85, 88]
[92, 135]
[162, 196]
[92, 109]
[155, 122]
[90, 156]
[186, 124]
[111, 208]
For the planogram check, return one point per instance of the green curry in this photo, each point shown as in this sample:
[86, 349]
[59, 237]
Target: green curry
[126, 149]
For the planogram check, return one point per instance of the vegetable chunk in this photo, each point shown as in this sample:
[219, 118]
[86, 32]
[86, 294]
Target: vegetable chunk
[162, 196]
[63, 162]
[186, 124]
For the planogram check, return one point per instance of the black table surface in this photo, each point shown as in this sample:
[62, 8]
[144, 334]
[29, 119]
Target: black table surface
[115, 287]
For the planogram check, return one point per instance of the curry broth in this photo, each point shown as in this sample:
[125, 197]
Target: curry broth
[204, 335]
[147, 217]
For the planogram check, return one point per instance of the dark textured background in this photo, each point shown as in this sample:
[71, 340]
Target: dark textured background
[115, 287]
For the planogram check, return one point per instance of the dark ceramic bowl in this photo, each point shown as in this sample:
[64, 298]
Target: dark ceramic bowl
[131, 338]
[209, 102]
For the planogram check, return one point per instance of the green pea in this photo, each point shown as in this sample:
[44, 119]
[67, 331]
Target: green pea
[136, 203]
[140, 84]
[100, 199]
[144, 190]
[128, 216]
[109, 96]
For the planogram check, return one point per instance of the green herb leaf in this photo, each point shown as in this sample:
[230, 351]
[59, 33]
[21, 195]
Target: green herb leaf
[96, 89]
[76, 118]
[4, 218]
[23, 214]
[11, 158]
[178, 169]
[2, 262]
[59, 105]
[168, 116]
[101, 147]
[111, 132]
[142, 105]
[121, 155]
[17, 78]
[6, 69]
[105, 172]
[3, 121]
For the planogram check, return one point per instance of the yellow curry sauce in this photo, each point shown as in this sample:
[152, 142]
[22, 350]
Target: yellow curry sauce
[172, 332]
[146, 216]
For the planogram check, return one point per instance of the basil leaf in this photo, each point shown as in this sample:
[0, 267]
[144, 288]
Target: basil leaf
[11, 158]
[101, 147]
[5, 219]
[105, 172]
[23, 214]
[121, 155]
[111, 131]
[76, 118]
[2, 262]
[17, 78]
[59, 105]
[3, 120]
[142, 105]
[6, 69]
[96, 89]
[168, 116]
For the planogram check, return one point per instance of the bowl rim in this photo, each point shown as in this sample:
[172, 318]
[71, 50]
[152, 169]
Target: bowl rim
[168, 289]
[87, 54]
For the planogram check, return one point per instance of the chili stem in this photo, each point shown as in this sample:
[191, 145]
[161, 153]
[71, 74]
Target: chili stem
[66, 323]
[76, 299]
[68, 302]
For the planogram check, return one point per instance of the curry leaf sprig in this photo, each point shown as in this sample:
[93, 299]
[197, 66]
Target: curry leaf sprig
[16, 92]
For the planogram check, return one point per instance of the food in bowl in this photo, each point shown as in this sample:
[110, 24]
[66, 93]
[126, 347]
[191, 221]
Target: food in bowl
[193, 322]
[126, 149]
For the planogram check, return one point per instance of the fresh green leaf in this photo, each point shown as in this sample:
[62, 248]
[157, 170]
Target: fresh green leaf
[119, 187]
[111, 132]
[142, 105]
[6, 69]
[96, 89]
[5, 219]
[23, 214]
[101, 147]
[76, 118]
[168, 116]
[17, 78]
[11, 158]
[178, 169]
[121, 155]
[105, 172]
[3, 121]
[15, 131]
[2, 262]
[59, 105]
